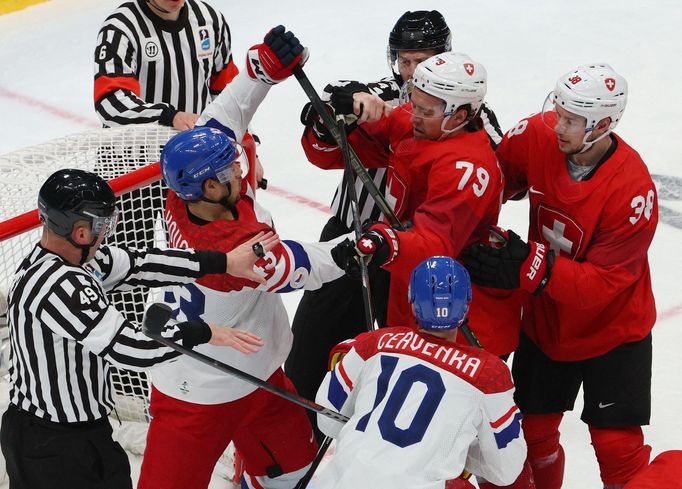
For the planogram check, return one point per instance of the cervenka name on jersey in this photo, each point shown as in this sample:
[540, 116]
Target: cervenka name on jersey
[506, 428]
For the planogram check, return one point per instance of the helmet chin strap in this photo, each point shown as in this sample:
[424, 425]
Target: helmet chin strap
[85, 249]
[447, 132]
[588, 144]
[223, 201]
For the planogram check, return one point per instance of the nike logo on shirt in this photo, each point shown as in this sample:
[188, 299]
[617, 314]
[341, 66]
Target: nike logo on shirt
[532, 190]
[602, 405]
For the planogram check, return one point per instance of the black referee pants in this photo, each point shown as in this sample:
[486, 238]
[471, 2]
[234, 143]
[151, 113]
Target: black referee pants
[45, 455]
[327, 316]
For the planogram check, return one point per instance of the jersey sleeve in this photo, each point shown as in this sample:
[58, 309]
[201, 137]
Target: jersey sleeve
[370, 142]
[233, 109]
[386, 89]
[499, 451]
[617, 255]
[224, 69]
[124, 269]
[117, 87]
[293, 266]
[337, 391]
[76, 309]
[459, 199]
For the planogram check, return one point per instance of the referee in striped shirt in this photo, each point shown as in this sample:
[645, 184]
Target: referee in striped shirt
[161, 61]
[65, 335]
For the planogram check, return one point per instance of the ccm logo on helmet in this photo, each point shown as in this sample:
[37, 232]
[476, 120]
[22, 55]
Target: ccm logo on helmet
[537, 261]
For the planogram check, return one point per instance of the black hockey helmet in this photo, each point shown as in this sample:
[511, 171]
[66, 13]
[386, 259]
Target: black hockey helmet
[72, 195]
[418, 31]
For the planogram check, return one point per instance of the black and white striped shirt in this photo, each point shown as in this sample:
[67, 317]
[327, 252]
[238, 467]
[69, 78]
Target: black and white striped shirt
[389, 91]
[147, 69]
[65, 334]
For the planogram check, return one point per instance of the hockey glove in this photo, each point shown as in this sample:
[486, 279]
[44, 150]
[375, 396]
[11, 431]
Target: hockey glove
[274, 59]
[512, 264]
[310, 118]
[381, 242]
[341, 97]
[346, 257]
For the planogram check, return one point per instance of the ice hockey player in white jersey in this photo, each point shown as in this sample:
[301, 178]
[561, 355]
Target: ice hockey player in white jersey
[422, 408]
[197, 411]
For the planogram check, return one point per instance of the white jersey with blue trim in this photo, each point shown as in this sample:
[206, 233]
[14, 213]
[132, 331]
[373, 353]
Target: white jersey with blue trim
[421, 410]
[260, 310]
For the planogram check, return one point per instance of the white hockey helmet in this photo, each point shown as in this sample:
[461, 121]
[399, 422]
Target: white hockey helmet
[593, 91]
[454, 78]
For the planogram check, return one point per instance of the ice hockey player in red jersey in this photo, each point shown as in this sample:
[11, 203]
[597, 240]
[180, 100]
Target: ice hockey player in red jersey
[590, 310]
[198, 411]
[443, 180]
[422, 408]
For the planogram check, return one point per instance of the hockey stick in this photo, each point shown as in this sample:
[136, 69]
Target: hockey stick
[305, 480]
[366, 291]
[355, 162]
[156, 318]
[357, 226]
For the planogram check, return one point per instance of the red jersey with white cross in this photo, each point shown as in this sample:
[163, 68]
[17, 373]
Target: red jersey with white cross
[599, 295]
[451, 191]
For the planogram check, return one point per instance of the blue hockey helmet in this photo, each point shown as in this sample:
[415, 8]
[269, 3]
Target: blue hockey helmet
[440, 293]
[193, 156]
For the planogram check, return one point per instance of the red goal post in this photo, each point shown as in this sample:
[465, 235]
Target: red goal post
[128, 158]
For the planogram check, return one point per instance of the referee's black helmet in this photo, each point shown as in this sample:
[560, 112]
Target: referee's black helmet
[72, 195]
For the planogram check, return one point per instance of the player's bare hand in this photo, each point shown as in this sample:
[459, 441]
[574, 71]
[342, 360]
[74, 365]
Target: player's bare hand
[240, 261]
[242, 341]
[184, 120]
[369, 107]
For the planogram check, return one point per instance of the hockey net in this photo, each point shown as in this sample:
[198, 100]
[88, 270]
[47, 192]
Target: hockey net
[128, 158]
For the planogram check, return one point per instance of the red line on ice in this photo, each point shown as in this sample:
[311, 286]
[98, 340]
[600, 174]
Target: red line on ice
[39, 104]
[670, 313]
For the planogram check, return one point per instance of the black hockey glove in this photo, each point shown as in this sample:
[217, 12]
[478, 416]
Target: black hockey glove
[507, 262]
[310, 118]
[346, 257]
[341, 98]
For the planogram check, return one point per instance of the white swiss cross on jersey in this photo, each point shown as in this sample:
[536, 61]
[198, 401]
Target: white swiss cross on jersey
[562, 234]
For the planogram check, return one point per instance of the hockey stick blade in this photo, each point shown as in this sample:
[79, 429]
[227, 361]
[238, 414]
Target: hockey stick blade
[155, 318]
[223, 367]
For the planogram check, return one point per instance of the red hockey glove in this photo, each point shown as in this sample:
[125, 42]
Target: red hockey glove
[512, 264]
[381, 242]
[274, 59]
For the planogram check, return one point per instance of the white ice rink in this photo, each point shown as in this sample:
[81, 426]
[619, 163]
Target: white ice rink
[46, 86]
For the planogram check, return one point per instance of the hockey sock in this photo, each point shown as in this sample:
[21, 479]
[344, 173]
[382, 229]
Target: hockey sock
[523, 481]
[621, 453]
[545, 454]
